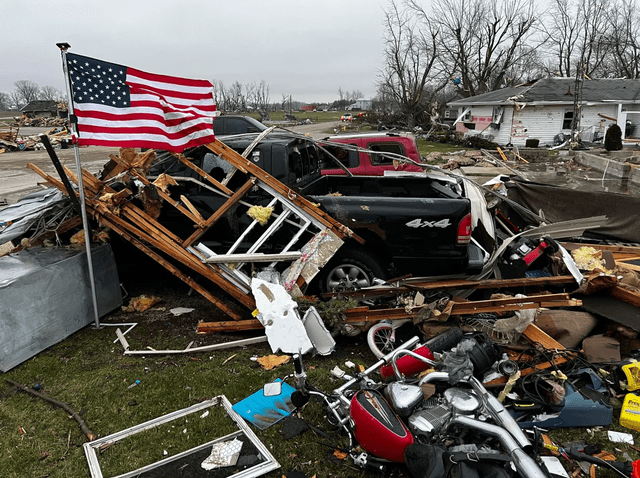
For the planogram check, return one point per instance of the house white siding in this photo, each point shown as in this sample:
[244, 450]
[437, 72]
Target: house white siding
[539, 122]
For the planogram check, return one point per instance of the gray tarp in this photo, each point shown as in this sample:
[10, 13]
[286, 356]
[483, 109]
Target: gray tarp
[562, 204]
[28, 210]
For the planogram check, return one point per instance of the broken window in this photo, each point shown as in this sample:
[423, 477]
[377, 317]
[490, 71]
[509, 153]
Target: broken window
[382, 159]
[568, 119]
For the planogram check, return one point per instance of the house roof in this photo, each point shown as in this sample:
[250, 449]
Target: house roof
[40, 105]
[559, 90]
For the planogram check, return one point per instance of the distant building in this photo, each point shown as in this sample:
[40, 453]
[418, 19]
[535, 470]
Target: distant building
[40, 108]
[361, 104]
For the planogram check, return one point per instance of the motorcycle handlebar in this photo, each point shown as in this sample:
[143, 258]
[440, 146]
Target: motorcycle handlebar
[384, 360]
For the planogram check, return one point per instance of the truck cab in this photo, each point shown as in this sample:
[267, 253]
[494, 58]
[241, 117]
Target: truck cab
[385, 150]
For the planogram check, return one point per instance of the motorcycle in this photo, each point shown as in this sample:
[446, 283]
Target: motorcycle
[445, 419]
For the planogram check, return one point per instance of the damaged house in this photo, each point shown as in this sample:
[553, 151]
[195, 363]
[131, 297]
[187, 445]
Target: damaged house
[543, 110]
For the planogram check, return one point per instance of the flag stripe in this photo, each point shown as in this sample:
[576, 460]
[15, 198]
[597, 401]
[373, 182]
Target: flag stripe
[121, 106]
[172, 80]
[143, 123]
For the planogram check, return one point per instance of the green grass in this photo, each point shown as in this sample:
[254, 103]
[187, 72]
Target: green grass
[90, 373]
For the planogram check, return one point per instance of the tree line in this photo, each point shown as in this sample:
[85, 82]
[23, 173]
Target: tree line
[468, 47]
[25, 92]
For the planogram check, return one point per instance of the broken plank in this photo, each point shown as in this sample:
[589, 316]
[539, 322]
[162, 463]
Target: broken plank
[221, 211]
[310, 208]
[202, 173]
[417, 284]
[625, 294]
[228, 326]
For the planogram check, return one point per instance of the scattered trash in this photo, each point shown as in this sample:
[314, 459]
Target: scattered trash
[223, 454]
[272, 361]
[264, 411]
[137, 382]
[180, 310]
[619, 437]
[141, 303]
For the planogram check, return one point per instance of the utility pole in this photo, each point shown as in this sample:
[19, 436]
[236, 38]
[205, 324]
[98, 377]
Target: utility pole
[577, 107]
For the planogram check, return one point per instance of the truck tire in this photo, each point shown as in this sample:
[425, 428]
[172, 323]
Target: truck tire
[352, 269]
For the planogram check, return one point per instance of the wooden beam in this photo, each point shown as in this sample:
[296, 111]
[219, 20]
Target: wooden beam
[244, 164]
[630, 296]
[221, 211]
[228, 326]
[159, 237]
[202, 173]
[410, 285]
[364, 314]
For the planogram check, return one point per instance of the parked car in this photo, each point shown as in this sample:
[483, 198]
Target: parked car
[235, 124]
[346, 117]
[385, 147]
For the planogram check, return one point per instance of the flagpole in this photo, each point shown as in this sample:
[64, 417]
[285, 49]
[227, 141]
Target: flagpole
[85, 223]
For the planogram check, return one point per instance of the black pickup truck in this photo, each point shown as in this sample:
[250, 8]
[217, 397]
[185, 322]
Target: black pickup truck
[419, 225]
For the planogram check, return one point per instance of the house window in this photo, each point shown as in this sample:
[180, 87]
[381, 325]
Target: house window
[568, 119]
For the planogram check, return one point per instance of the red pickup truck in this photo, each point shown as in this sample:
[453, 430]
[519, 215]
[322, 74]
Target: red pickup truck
[376, 162]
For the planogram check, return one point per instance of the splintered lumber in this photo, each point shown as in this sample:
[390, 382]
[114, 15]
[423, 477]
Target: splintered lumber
[221, 211]
[412, 285]
[243, 164]
[228, 326]
[627, 294]
[157, 236]
[364, 314]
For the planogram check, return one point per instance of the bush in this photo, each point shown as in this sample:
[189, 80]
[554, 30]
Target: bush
[613, 138]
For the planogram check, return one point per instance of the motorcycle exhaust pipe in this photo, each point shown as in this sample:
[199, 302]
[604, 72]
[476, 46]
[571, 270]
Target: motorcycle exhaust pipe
[524, 464]
[501, 416]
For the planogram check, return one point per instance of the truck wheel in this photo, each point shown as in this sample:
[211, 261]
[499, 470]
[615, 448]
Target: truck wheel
[351, 270]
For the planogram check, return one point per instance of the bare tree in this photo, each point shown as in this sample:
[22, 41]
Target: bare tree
[262, 96]
[5, 101]
[410, 58]
[480, 40]
[16, 100]
[623, 38]
[49, 93]
[235, 99]
[26, 91]
[250, 94]
[575, 35]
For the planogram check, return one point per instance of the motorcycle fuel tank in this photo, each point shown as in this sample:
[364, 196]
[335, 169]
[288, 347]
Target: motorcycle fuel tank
[377, 428]
[403, 397]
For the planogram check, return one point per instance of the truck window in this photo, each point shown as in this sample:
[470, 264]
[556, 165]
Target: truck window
[379, 157]
[306, 161]
[295, 165]
[349, 158]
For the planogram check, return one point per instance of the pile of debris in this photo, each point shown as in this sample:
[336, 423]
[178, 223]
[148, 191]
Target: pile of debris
[550, 322]
[40, 121]
[59, 137]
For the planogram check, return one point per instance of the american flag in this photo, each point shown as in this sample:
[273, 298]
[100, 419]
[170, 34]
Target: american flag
[119, 106]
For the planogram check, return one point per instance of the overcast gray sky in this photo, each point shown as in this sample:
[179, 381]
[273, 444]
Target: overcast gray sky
[304, 48]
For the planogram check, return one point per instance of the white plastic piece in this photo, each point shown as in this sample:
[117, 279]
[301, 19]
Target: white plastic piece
[277, 313]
